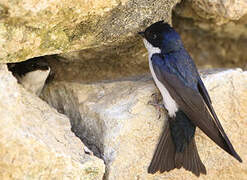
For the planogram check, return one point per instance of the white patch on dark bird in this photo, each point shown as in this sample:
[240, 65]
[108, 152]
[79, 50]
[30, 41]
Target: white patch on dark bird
[168, 101]
[34, 81]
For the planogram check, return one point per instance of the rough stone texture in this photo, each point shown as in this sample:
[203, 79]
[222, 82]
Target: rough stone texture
[210, 45]
[30, 28]
[214, 32]
[214, 46]
[216, 11]
[115, 119]
[217, 41]
[96, 70]
[220, 10]
[36, 142]
[99, 37]
[235, 28]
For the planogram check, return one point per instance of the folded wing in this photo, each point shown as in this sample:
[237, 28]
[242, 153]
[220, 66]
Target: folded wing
[194, 102]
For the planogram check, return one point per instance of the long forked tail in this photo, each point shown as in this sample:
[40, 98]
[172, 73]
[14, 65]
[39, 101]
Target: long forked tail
[166, 158]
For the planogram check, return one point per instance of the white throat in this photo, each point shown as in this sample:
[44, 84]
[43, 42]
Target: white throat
[151, 49]
[168, 101]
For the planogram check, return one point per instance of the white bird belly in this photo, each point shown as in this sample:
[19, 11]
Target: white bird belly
[168, 101]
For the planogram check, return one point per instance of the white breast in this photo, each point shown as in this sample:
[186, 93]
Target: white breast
[35, 80]
[168, 101]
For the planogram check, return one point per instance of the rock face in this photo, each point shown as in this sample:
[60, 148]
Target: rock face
[217, 40]
[36, 142]
[97, 40]
[220, 10]
[214, 46]
[101, 36]
[30, 28]
[214, 32]
[114, 118]
[216, 11]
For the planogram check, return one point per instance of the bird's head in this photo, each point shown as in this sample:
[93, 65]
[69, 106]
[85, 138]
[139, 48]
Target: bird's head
[161, 35]
[32, 74]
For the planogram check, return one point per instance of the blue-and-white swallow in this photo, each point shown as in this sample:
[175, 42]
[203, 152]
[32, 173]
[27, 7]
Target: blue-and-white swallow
[186, 100]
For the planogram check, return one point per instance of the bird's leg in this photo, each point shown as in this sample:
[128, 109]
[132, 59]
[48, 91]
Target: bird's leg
[157, 103]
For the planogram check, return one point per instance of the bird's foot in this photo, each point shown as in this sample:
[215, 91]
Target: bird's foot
[157, 103]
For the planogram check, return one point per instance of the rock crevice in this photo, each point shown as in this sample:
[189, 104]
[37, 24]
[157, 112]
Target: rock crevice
[116, 117]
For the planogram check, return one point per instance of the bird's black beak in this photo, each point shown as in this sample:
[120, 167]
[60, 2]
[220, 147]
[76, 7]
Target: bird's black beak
[142, 34]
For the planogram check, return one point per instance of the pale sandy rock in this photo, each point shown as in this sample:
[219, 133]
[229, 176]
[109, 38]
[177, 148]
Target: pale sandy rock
[214, 46]
[215, 11]
[218, 9]
[31, 28]
[36, 142]
[212, 41]
[114, 117]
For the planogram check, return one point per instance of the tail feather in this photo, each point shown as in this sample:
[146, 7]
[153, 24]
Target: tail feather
[190, 159]
[164, 155]
[166, 158]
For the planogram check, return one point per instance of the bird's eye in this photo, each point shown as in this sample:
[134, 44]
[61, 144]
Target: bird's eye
[154, 36]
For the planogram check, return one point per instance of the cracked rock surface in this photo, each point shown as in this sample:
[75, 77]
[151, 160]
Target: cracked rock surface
[100, 87]
[114, 117]
[101, 35]
[36, 141]
[30, 28]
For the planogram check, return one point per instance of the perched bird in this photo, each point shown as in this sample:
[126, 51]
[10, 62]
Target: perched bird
[186, 100]
[32, 74]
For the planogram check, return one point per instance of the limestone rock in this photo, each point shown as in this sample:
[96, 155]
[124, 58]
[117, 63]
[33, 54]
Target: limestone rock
[30, 28]
[36, 142]
[115, 119]
[214, 46]
[213, 41]
[213, 9]
[216, 11]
